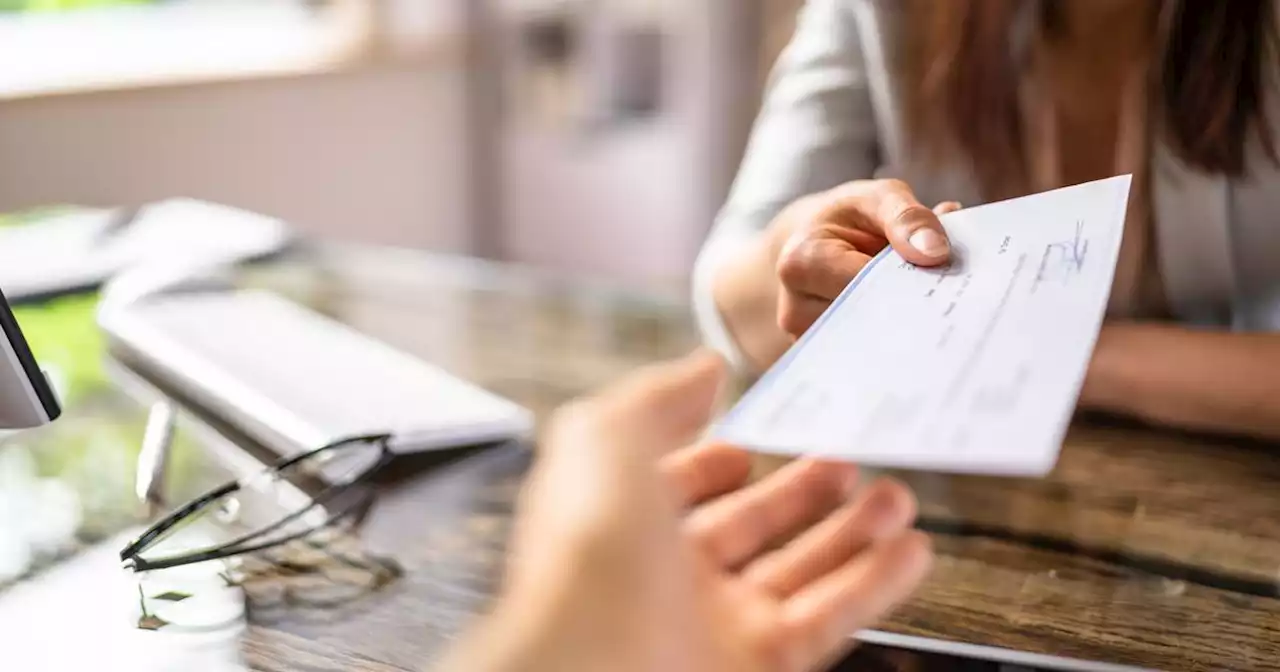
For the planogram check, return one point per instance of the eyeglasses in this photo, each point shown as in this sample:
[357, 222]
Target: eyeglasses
[268, 510]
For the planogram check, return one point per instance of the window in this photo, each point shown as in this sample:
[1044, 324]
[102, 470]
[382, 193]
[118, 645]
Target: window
[56, 46]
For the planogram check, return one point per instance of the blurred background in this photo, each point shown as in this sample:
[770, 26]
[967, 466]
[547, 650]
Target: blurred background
[588, 136]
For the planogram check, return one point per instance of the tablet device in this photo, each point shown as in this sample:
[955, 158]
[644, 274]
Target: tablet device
[26, 398]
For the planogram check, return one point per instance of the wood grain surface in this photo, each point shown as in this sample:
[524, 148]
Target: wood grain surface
[1145, 548]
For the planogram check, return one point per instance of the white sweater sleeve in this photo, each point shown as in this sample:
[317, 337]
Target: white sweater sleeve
[815, 131]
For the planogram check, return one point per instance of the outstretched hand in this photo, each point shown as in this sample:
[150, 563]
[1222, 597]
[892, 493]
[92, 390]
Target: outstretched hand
[636, 549]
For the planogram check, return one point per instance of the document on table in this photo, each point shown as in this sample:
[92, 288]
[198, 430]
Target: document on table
[82, 249]
[970, 368]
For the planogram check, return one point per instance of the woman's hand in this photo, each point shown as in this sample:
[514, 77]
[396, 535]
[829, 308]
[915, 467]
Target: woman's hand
[631, 553]
[829, 237]
[773, 291]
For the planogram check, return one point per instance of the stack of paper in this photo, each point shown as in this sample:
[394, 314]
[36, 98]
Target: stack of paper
[84, 249]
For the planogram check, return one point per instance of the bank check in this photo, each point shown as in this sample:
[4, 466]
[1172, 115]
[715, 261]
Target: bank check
[974, 367]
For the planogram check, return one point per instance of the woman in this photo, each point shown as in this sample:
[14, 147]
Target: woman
[978, 100]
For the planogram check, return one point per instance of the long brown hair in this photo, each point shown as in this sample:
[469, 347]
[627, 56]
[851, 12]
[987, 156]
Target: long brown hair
[1207, 86]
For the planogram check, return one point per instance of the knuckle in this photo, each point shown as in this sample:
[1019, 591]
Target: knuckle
[894, 185]
[762, 573]
[912, 216]
[794, 264]
[913, 212]
[707, 537]
[790, 321]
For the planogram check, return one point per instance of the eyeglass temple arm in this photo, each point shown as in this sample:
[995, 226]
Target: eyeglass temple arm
[129, 554]
[139, 564]
[169, 521]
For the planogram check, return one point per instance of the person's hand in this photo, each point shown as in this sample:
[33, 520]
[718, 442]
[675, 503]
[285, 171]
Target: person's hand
[632, 553]
[826, 238]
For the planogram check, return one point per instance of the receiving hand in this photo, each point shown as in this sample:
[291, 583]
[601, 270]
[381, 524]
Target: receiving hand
[632, 553]
[828, 237]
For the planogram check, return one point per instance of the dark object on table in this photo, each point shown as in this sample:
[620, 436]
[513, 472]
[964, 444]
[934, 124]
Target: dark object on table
[26, 398]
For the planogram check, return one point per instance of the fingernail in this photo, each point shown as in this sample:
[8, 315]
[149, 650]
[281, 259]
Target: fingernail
[850, 481]
[881, 503]
[929, 242]
[885, 512]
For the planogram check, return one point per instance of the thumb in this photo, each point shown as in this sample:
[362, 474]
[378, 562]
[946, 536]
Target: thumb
[597, 479]
[889, 208]
[916, 233]
[667, 405]
[647, 414]
[947, 207]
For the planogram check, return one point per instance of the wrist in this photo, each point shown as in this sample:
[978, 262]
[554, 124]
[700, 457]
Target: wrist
[516, 636]
[543, 621]
[745, 294]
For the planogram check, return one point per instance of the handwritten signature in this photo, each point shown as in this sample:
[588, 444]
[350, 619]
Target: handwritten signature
[1063, 259]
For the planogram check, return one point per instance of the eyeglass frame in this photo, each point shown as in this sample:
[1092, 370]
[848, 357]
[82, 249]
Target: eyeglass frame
[130, 555]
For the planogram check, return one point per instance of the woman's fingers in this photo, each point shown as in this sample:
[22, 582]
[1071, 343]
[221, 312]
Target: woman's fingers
[946, 207]
[736, 527]
[798, 312]
[814, 266]
[823, 617]
[890, 208]
[881, 510]
[840, 230]
[818, 261]
[706, 471]
[840, 233]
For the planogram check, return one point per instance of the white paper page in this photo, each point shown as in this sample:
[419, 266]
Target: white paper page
[972, 368]
[72, 252]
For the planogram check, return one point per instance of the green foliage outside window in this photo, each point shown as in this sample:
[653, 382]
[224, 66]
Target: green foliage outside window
[57, 5]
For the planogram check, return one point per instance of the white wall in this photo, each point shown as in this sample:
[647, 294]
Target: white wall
[635, 202]
[375, 154]
[622, 207]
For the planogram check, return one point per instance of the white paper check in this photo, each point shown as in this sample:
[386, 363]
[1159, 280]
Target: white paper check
[971, 368]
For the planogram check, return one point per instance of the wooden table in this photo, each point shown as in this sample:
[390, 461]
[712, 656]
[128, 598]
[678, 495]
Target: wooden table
[1143, 548]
